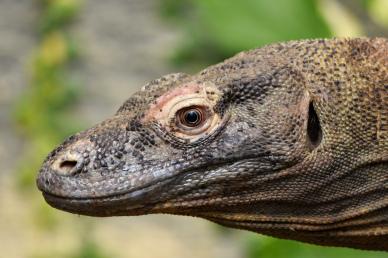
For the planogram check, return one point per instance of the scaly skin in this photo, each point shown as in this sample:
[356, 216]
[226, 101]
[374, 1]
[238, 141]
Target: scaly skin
[290, 140]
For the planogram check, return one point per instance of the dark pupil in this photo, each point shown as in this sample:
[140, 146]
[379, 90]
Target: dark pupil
[192, 117]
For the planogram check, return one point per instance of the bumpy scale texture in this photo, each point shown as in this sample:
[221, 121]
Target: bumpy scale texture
[292, 142]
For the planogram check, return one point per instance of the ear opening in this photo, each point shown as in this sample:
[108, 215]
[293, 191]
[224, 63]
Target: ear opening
[314, 130]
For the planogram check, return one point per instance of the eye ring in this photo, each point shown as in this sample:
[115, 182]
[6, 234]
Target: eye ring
[193, 121]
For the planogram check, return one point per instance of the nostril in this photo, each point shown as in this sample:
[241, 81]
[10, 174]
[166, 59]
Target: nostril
[68, 165]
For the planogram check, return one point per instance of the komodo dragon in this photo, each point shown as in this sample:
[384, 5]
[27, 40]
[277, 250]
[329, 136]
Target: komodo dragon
[289, 140]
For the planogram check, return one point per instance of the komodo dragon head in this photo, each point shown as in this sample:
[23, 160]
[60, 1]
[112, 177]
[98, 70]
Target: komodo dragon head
[290, 140]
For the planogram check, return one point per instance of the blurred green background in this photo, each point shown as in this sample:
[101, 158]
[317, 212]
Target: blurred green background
[67, 64]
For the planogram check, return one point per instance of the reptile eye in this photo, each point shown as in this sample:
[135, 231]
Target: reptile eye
[191, 116]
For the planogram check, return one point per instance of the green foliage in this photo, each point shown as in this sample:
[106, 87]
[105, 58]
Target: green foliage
[42, 112]
[268, 247]
[89, 249]
[218, 29]
[378, 10]
[58, 13]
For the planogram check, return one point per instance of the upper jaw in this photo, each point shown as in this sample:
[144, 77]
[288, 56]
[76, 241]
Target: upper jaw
[99, 184]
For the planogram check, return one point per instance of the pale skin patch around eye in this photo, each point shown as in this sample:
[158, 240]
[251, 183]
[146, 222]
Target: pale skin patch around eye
[167, 107]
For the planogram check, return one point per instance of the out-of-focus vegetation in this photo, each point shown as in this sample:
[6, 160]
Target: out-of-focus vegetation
[214, 30]
[43, 112]
[268, 247]
[379, 11]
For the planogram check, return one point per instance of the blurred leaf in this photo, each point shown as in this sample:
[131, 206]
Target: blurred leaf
[90, 250]
[175, 10]
[53, 50]
[268, 247]
[244, 25]
[217, 29]
[59, 13]
[379, 11]
[341, 20]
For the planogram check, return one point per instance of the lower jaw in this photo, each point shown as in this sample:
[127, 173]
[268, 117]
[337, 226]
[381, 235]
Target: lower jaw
[138, 202]
[98, 207]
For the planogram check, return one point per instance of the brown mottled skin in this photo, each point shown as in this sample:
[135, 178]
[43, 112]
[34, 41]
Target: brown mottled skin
[289, 140]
